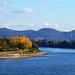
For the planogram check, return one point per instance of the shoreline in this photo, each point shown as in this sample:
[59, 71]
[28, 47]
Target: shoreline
[23, 55]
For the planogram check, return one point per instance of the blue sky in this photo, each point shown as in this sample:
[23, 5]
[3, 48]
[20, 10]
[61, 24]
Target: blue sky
[37, 14]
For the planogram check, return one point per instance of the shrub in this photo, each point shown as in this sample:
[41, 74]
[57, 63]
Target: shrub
[0, 49]
[21, 51]
[34, 51]
[3, 49]
[35, 46]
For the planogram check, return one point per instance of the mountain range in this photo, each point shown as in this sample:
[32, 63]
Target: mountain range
[45, 33]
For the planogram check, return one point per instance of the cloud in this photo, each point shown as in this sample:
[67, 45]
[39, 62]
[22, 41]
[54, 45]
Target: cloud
[28, 24]
[48, 1]
[13, 13]
[25, 10]
[3, 3]
[37, 0]
[5, 25]
[48, 24]
[16, 15]
[6, 10]
[17, 26]
[67, 26]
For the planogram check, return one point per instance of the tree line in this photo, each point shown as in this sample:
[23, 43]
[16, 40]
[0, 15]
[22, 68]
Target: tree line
[18, 43]
[54, 44]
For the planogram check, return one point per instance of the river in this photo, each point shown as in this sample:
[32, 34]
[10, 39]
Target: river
[58, 62]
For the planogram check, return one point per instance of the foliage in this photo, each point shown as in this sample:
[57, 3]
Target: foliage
[34, 51]
[35, 46]
[56, 43]
[21, 42]
[26, 51]
[34, 40]
[21, 51]
[15, 43]
[22, 46]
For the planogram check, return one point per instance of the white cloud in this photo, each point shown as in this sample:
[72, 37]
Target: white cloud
[24, 24]
[6, 10]
[56, 25]
[25, 10]
[28, 24]
[59, 26]
[17, 26]
[37, 0]
[47, 1]
[3, 3]
[48, 24]
[16, 15]
[5, 25]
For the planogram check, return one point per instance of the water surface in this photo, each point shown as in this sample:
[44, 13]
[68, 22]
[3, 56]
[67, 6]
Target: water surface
[59, 62]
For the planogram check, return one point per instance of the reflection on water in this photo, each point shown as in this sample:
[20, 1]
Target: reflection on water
[59, 62]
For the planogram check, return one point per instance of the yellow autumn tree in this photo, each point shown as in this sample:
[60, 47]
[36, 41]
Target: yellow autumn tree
[34, 40]
[21, 51]
[20, 39]
[1, 44]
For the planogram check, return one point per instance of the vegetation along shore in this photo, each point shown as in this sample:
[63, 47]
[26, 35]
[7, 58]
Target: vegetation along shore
[17, 47]
[54, 44]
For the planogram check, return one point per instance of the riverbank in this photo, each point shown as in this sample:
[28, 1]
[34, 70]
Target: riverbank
[23, 55]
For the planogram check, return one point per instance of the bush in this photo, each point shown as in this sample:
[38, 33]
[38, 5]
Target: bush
[21, 46]
[26, 51]
[16, 48]
[0, 49]
[34, 51]
[3, 49]
[21, 51]
[35, 46]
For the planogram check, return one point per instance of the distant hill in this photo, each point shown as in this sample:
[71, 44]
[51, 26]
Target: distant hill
[45, 33]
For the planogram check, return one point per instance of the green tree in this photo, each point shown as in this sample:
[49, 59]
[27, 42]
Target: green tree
[35, 46]
[45, 42]
[4, 38]
[22, 46]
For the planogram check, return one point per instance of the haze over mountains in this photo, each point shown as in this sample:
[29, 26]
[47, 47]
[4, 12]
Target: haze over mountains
[45, 33]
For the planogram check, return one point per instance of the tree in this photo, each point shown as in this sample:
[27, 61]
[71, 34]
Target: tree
[34, 40]
[35, 46]
[22, 40]
[40, 42]
[64, 44]
[22, 46]
[73, 44]
[1, 44]
[45, 43]
[4, 38]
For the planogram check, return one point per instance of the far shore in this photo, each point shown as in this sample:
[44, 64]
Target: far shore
[23, 55]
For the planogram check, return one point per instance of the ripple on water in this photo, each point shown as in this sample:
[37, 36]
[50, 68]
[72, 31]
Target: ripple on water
[55, 63]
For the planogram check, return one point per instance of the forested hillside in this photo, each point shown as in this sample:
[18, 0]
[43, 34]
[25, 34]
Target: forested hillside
[45, 33]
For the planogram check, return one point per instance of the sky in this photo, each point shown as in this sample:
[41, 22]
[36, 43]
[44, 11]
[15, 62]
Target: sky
[37, 14]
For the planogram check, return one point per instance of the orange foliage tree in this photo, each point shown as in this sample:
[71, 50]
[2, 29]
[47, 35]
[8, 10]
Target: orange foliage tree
[1, 44]
[20, 39]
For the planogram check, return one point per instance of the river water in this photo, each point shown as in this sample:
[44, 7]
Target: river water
[58, 62]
